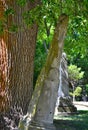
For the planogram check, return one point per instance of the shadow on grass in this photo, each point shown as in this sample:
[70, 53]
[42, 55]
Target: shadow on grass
[72, 122]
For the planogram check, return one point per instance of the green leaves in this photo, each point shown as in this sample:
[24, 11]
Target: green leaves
[32, 16]
[8, 12]
[21, 2]
[77, 36]
[78, 91]
[75, 73]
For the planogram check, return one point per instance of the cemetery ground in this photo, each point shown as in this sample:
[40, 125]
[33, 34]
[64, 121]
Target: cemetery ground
[77, 121]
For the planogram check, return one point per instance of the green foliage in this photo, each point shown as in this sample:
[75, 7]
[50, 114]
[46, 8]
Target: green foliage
[8, 12]
[77, 36]
[40, 58]
[31, 16]
[78, 91]
[21, 2]
[76, 41]
[75, 73]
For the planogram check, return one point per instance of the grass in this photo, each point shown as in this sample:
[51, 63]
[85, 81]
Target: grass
[72, 122]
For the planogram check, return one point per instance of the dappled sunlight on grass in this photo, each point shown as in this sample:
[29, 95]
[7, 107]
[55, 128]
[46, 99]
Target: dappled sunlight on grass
[73, 122]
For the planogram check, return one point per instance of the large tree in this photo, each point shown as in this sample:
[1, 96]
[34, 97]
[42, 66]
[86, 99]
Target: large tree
[21, 49]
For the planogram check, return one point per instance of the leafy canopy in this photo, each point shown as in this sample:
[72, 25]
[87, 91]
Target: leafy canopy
[75, 73]
[76, 41]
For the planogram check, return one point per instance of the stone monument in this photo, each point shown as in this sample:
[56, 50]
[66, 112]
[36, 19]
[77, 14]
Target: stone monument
[64, 102]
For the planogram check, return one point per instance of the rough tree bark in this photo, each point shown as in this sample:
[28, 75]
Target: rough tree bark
[3, 65]
[42, 105]
[21, 50]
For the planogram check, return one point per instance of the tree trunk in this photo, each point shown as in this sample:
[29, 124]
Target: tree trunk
[3, 65]
[73, 87]
[42, 106]
[21, 50]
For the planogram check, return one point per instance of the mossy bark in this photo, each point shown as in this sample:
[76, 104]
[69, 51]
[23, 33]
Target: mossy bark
[42, 105]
